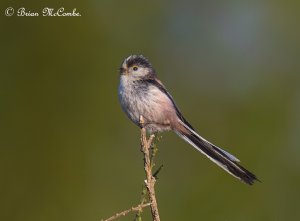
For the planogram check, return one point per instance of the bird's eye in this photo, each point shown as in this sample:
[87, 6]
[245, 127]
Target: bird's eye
[135, 68]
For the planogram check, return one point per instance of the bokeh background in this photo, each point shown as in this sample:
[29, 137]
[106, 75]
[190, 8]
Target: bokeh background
[67, 152]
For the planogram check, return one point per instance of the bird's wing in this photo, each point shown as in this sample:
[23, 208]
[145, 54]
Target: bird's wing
[157, 83]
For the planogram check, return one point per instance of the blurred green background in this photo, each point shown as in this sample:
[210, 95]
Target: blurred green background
[67, 152]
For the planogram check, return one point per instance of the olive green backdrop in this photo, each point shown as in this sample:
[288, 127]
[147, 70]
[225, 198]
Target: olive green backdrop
[67, 152]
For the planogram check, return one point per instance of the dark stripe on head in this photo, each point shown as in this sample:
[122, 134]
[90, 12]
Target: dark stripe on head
[138, 60]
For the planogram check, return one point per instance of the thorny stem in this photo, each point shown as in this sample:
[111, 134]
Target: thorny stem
[150, 180]
[149, 150]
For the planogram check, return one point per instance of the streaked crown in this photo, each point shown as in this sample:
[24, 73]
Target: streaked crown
[138, 60]
[136, 65]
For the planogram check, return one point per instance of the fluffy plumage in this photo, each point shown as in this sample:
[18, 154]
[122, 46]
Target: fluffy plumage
[141, 93]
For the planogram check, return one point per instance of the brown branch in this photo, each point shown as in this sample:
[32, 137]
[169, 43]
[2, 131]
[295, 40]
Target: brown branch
[146, 145]
[124, 213]
[150, 180]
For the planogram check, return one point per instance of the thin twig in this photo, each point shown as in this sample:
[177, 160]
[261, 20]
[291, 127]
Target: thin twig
[149, 154]
[150, 180]
[124, 213]
[142, 201]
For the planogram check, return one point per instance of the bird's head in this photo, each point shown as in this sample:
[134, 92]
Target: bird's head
[136, 66]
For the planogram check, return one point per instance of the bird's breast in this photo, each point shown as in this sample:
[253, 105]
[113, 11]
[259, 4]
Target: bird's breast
[130, 99]
[142, 99]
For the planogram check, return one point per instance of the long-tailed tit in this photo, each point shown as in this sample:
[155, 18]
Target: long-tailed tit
[141, 93]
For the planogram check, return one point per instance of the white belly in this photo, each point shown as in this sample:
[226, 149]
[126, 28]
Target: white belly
[151, 103]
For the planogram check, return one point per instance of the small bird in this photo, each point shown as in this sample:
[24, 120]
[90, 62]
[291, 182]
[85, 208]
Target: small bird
[141, 93]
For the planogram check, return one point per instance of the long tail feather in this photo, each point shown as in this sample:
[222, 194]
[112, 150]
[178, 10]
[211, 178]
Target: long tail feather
[222, 158]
